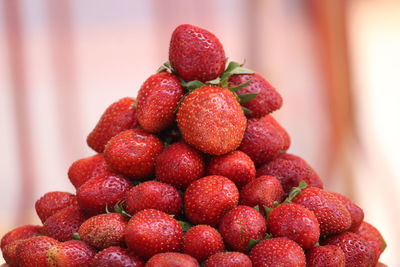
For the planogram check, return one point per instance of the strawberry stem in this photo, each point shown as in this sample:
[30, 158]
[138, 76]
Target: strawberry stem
[295, 192]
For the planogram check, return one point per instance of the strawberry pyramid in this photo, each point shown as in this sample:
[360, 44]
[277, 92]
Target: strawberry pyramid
[195, 171]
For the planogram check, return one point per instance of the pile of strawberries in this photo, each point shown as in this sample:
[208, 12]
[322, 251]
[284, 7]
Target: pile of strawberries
[195, 171]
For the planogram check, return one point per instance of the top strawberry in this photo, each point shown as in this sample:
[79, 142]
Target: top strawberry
[196, 54]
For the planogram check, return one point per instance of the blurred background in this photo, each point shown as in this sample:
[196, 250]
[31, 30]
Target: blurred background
[335, 62]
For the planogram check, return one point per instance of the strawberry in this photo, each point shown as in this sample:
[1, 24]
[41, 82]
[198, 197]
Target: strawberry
[196, 54]
[264, 139]
[326, 256]
[157, 101]
[294, 222]
[267, 100]
[152, 231]
[373, 237]
[154, 195]
[277, 252]
[102, 191]
[356, 213]
[20, 233]
[332, 215]
[290, 171]
[228, 259]
[104, 230]
[73, 253]
[116, 257]
[202, 241]
[241, 224]
[118, 117]
[172, 259]
[52, 202]
[32, 252]
[9, 252]
[133, 153]
[206, 200]
[236, 166]
[179, 165]
[357, 251]
[210, 119]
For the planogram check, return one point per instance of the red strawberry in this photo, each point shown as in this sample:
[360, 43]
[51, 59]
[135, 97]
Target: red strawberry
[196, 54]
[357, 251]
[102, 191]
[228, 259]
[179, 165]
[294, 222]
[154, 195]
[157, 101]
[133, 153]
[71, 253]
[373, 237]
[267, 100]
[152, 231]
[332, 215]
[206, 200]
[32, 252]
[9, 252]
[262, 191]
[104, 230]
[52, 202]
[290, 171]
[84, 169]
[236, 166]
[241, 224]
[118, 117]
[277, 252]
[202, 241]
[63, 224]
[19, 233]
[326, 256]
[356, 213]
[211, 119]
[116, 257]
[172, 259]
[264, 139]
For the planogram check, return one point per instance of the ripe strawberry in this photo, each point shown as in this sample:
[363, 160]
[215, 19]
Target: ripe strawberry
[294, 222]
[32, 252]
[236, 166]
[52, 202]
[202, 241]
[262, 191]
[264, 139]
[102, 191]
[157, 101]
[196, 54]
[373, 237]
[211, 119]
[20, 233]
[356, 213]
[290, 171]
[9, 252]
[228, 259]
[154, 195]
[206, 200]
[241, 224]
[179, 165]
[277, 252]
[133, 153]
[357, 251]
[267, 100]
[326, 256]
[116, 257]
[118, 117]
[172, 259]
[152, 231]
[71, 253]
[332, 215]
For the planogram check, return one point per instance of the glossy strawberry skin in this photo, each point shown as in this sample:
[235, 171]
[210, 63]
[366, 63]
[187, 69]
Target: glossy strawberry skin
[32, 252]
[228, 259]
[267, 99]
[326, 256]
[118, 117]
[73, 253]
[356, 213]
[264, 139]
[20, 233]
[236, 166]
[210, 119]
[206, 200]
[9, 252]
[172, 259]
[373, 237]
[180, 164]
[196, 54]
[52, 202]
[116, 257]
[133, 153]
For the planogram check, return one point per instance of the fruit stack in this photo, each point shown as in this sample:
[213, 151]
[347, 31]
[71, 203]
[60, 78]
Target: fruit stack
[195, 171]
